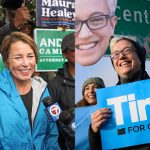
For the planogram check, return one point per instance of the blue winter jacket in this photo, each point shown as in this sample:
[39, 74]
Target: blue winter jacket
[15, 130]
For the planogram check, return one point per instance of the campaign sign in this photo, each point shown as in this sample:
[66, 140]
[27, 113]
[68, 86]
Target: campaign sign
[130, 121]
[82, 123]
[55, 13]
[48, 41]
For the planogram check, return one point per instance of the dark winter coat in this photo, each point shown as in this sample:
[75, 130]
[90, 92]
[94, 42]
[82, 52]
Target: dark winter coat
[62, 88]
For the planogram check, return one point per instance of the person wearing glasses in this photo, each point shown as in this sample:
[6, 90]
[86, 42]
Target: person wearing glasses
[128, 59]
[93, 28]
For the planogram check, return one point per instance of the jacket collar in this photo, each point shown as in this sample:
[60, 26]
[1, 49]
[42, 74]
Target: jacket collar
[140, 75]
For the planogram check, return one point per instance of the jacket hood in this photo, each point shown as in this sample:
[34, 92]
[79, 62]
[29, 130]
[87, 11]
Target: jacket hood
[8, 86]
[38, 84]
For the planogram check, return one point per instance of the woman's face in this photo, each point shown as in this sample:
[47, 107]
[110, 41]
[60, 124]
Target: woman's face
[21, 61]
[92, 44]
[126, 65]
[90, 93]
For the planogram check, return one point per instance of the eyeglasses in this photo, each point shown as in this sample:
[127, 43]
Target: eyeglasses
[93, 23]
[125, 51]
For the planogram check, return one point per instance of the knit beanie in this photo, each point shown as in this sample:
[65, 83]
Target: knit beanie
[68, 42]
[141, 51]
[94, 80]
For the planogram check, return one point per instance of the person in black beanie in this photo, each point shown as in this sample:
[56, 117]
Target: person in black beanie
[128, 59]
[15, 16]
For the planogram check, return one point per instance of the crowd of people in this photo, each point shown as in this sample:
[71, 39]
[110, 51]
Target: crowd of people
[23, 122]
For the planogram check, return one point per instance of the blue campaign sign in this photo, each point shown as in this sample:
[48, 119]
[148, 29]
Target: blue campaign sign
[82, 120]
[130, 121]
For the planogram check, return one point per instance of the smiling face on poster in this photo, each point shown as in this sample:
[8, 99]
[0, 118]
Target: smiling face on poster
[93, 26]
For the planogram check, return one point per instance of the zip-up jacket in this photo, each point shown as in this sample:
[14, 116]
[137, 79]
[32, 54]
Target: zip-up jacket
[15, 130]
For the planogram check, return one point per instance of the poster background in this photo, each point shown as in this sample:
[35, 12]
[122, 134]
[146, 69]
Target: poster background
[133, 21]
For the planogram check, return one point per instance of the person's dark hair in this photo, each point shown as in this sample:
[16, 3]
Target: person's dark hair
[68, 42]
[141, 52]
[11, 4]
[13, 38]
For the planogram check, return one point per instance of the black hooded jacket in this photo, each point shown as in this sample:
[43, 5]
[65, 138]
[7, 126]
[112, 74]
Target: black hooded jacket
[62, 88]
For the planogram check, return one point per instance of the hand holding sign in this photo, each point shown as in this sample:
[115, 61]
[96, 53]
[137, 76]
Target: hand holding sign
[130, 121]
[99, 117]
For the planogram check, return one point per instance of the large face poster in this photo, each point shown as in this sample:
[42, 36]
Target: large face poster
[133, 22]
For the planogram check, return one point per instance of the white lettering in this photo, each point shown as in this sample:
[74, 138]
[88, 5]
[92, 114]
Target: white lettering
[43, 43]
[137, 108]
[46, 2]
[142, 108]
[127, 15]
[117, 101]
[50, 42]
[137, 16]
[45, 12]
[133, 108]
[57, 3]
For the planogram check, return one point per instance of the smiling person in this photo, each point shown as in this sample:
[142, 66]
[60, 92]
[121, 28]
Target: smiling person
[93, 26]
[89, 91]
[128, 59]
[23, 123]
